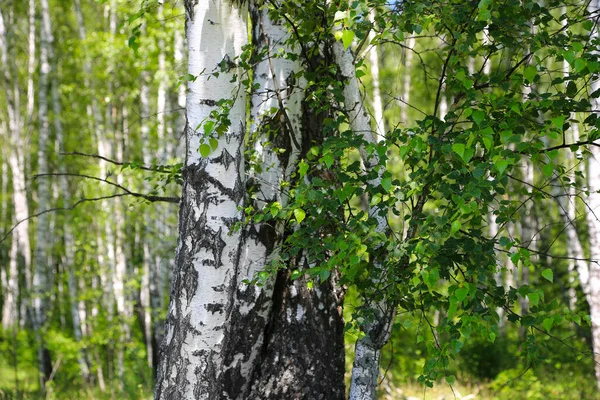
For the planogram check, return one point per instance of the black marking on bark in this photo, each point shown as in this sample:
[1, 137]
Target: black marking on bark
[219, 288]
[207, 102]
[225, 158]
[214, 308]
[189, 9]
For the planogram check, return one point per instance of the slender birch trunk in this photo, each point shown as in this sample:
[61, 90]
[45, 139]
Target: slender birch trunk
[148, 256]
[406, 79]
[179, 57]
[593, 222]
[377, 101]
[31, 61]
[20, 245]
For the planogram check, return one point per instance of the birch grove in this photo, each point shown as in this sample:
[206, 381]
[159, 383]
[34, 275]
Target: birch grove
[308, 199]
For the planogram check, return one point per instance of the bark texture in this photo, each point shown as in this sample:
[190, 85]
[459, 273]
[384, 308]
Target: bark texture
[209, 257]
[225, 339]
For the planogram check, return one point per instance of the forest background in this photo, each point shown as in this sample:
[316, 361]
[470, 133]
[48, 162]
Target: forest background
[92, 123]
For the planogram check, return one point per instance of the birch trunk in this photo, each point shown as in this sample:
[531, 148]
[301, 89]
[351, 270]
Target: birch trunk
[40, 271]
[16, 161]
[179, 57]
[406, 78]
[377, 101]
[302, 341]
[193, 363]
[147, 151]
[593, 222]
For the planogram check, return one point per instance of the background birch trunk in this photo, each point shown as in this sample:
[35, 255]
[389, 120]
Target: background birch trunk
[593, 222]
[374, 65]
[40, 270]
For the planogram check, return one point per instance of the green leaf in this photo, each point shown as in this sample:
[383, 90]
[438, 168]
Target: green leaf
[214, 143]
[548, 274]
[501, 165]
[461, 293]
[208, 127]
[478, 116]
[328, 159]
[386, 184]
[548, 170]
[347, 38]
[534, 298]
[548, 323]
[558, 122]
[299, 214]
[340, 15]
[571, 89]
[205, 150]
[580, 64]
[456, 225]
[296, 274]
[453, 306]
[505, 242]
[459, 149]
[302, 168]
[530, 73]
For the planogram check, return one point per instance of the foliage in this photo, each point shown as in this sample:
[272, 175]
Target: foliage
[458, 170]
[443, 179]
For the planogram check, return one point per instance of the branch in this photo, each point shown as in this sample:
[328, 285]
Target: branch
[158, 168]
[148, 197]
[71, 207]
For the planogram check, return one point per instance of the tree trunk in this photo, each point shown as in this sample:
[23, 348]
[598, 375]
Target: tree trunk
[406, 79]
[377, 101]
[593, 222]
[40, 271]
[193, 363]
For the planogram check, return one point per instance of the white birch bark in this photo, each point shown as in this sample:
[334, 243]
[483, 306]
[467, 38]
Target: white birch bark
[31, 61]
[593, 222]
[377, 101]
[208, 255]
[406, 78]
[10, 287]
[179, 57]
[16, 161]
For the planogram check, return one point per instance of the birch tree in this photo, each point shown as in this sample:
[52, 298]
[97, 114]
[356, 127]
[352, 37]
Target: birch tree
[593, 220]
[208, 256]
